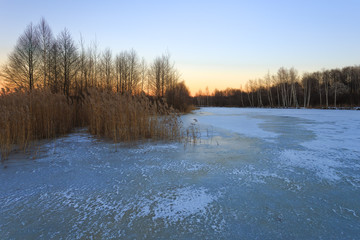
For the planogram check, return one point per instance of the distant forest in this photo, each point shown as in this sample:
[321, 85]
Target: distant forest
[323, 89]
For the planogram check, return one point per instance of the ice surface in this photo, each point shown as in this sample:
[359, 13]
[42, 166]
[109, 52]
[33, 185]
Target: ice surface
[332, 142]
[254, 174]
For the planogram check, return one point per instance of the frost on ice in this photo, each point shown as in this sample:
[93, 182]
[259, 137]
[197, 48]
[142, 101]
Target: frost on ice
[254, 173]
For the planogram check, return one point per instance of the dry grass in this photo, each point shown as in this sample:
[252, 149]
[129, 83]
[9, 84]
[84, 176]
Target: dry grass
[26, 116]
[123, 117]
[192, 133]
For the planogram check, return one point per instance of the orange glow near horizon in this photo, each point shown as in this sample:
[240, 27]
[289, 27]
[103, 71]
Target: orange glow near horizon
[199, 77]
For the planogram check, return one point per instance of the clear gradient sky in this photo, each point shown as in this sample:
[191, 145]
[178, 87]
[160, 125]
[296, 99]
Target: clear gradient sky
[217, 44]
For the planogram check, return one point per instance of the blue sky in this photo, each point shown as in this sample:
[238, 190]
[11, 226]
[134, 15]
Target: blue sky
[213, 43]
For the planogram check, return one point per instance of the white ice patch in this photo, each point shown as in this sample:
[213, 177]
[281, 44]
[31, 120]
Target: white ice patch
[249, 175]
[176, 205]
[235, 120]
[168, 207]
[79, 138]
[154, 147]
[323, 166]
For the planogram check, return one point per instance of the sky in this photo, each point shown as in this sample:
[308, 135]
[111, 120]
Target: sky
[218, 44]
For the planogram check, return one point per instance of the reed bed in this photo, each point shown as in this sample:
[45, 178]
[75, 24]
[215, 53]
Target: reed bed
[39, 114]
[123, 117]
[26, 116]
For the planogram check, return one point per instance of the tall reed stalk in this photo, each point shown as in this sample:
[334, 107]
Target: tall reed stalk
[26, 116]
[39, 114]
[123, 117]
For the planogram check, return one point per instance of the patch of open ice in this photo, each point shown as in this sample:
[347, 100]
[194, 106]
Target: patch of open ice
[333, 147]
[324, 167]
[235, 120]
[176, 205]
[154, 147]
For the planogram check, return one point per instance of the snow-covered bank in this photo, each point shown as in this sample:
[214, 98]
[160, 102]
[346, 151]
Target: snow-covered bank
[254, 174]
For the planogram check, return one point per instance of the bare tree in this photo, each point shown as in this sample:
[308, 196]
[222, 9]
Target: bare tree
[143, 71]
[250, 89]
[267, 80]
[307, 85]
[134, 78]
[155, 76]
[118, 72]
[162, 75]
[283, 77]
[337, 86]
[207, 95]
[241, 96]
[326, 82]
[54, 73]
[68, 59]
[46, 39]
[276, 83]
[22, 66]
[107, 67]
[83, 66]
[259, 86]
[320, 79]
[93, 62]
[122, 71]
[293, 80]
[128, 71]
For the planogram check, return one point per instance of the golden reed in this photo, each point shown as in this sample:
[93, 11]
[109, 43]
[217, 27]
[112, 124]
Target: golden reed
[39, 114]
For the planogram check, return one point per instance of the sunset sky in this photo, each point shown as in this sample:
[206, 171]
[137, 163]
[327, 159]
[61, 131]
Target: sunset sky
[217, 44]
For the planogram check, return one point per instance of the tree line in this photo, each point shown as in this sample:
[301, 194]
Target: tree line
[41, 60]
[286, 88]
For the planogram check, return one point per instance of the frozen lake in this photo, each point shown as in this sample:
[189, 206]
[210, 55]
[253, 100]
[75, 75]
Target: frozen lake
[254, 174]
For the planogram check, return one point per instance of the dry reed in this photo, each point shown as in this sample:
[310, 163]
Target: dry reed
[27, 116]
[123, 117]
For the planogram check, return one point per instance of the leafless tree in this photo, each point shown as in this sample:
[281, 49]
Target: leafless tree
[162, 75]
[207, 95]
[155, 76]
[84, 66]
[22, 67]
[283, 77]
[93, 62]
[276, 83]
[121, 69]
[241, 96]
[307, 85]
[46, 40]
[106, 70]
[337, 86]
[68, 59]
[250, 92]
[54, 73]
[128, 71]
[143, 71]
[326, 82]
[134, 72]
[118, 71]
[258, 87]
[267, 80]
[293, 75]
